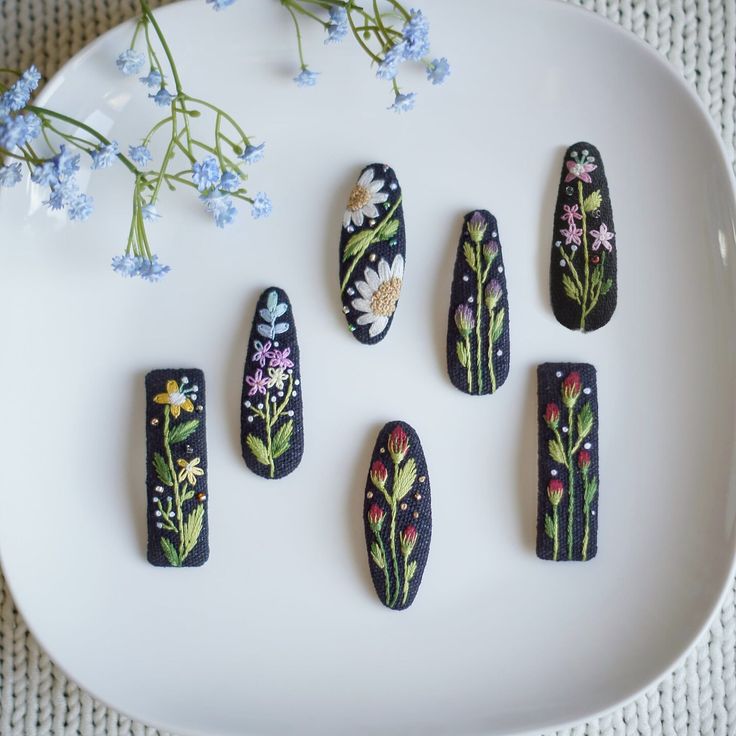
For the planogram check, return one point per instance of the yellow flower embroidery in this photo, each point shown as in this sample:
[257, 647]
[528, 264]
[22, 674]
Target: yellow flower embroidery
[189, 470]
[175, 398]
[277, 376]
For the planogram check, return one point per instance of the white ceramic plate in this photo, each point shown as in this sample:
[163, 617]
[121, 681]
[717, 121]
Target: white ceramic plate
[281, 631]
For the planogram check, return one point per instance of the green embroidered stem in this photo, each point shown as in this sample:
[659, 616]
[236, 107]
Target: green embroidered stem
[175, 482]
[555, 523]
[586, 255]
[406, 579]
[386, 576]
[469, 370]
[271, 468]
[491, 370]
[375, 237]
[586, 536]
[478, 314]
[594, 299]
[392, 537]
[570, 483]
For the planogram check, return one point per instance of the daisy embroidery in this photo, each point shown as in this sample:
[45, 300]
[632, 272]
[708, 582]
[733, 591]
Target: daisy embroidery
[379, 294]
[364, 197]
[603, 237]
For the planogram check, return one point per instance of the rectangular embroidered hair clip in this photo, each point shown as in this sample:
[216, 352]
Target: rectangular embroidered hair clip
[176, 468]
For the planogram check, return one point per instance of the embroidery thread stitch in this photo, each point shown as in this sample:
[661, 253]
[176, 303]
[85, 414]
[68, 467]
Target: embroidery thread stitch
[478, 337]
[271, 415]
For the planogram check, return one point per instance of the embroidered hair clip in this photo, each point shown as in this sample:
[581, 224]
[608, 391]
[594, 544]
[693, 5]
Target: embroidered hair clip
[372, 253]
[272, 432]
[478, 341]
[176, 468]
[567, 518]
[398, 515]
[583, 269]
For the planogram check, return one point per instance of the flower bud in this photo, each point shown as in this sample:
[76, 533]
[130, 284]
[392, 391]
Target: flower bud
[376, 516]
[378, 474]
[571, 388]
[584, 460]
[555, 489]
[408, 539]
[398, 444]
[493, 294]
[490, 250]
[477, 227]
[552, 415]
[464, 320]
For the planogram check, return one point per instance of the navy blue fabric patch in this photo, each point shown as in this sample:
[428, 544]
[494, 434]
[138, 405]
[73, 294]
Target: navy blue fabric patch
[397, 515]
[372, 253]
[271, 421]
[176, 468]
[478, 336]
[583, 283]
[567, 519]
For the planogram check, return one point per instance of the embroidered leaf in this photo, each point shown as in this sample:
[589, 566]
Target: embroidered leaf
[358, 244]
[571, 288]
[162, 469]
[405, 479]
[557, 453]
[596, 277]
[259, 450]
[187, 495]
[606, 287]
[280, 310]
[387, 230]
[265, 315]
[266, 331]
[282, 439]
[585, 422]
[590, 491]
[469, 254]
[549, 526]
[181, 431]
[462, 354]
[411, 571]
[592, 202]
[170, 552]
[192, 530]
[498, 324]
[280, 327]
[272, 300]
[377, 556]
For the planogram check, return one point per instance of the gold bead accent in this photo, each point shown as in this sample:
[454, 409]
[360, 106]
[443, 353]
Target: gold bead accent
[154, 422]
[416, 514]
[201, 497]
[418, 496]
[200, 407]
[422, 478]
[382, 450]
[404, 507]
[369, 494]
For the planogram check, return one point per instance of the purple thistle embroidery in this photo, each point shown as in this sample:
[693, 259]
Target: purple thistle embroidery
[257, 383]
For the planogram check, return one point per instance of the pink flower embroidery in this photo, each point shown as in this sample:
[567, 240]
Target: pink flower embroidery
[603, 236]
[263, 352]
[570, 214]
[580, 171]
[257, 383]
[280, 359]
[572, 234]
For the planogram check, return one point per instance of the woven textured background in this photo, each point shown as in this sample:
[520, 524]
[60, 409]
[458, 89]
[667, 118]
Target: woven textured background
[699, 38]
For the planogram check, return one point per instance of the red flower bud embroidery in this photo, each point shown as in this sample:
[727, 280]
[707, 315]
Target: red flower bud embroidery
[408, 539]
[398, 444]
[571, 388]
[552, 415]
[555, 490]
[584, 460]
[375, 516]
[378, 474]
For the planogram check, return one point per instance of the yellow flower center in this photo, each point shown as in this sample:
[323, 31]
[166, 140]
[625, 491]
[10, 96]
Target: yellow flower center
[383, 301]
[359, 198]
[177, 398]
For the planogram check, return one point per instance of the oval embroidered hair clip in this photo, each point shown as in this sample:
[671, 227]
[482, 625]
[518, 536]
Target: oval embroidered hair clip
[478, 340]
[272, 432]
[583, 283]
[398, 515]
[372, 253]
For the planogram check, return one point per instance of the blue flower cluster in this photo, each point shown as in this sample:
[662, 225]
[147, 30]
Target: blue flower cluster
[220, 4]
[59, 175]
[148, 269]
[337, 27]
[131, 62]
[306, 78]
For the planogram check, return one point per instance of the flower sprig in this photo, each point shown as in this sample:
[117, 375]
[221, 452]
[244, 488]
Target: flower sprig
[388, 37]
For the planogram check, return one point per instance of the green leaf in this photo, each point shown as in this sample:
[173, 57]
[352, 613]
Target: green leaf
[282, 439]
[377, 556]
[606, 287]
[411, 571]
[585, 421]
[405, 479]
[387, 230]
[191, 531]
[592, 202]
[462, 354]
[162, 469]
[259, 450]
[556, 452]
[596, 278]
[187, 495]
[469, 254]
[590, 490]
[498, 324]
[181, 431]
[549, 526]
[170, 552]
[571, 288]
[358, 244]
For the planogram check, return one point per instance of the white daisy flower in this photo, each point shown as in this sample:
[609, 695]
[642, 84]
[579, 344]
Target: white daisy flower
[363, 199]
[379, 293]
